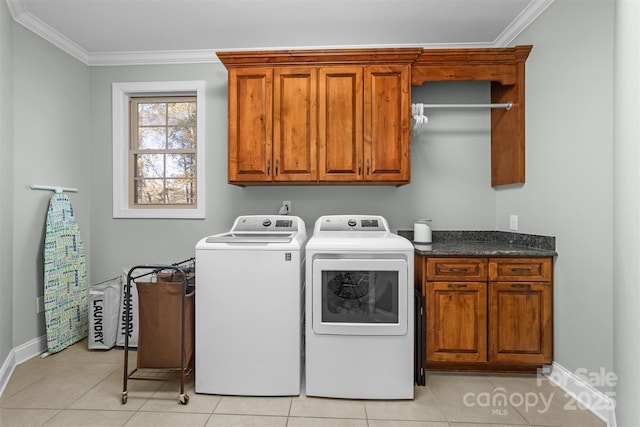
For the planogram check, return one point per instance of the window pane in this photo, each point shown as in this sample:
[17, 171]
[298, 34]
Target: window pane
[164, 150]
[182, 138]
[182, 114]
[180, 165]
[181, 191]
[150, 165]
[152, 114]
[152, 138]
[149, 191]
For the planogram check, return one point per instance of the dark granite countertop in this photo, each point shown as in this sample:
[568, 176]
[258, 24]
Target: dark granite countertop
[485, 243]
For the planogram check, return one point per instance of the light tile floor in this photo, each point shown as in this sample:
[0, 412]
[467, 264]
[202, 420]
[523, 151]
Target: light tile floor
[78, 387]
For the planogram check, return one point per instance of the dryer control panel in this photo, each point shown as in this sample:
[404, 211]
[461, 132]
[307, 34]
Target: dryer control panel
[352, 223]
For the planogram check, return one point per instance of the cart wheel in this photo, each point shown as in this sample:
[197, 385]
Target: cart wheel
[184, 399]
[124, 397]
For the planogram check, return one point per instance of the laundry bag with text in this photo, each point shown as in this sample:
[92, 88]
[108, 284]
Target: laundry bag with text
[104, 308]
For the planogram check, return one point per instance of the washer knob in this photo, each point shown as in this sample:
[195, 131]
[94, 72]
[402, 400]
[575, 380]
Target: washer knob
[266, 222]
[352, 223]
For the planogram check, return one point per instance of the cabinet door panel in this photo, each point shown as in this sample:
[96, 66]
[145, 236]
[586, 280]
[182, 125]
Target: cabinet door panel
[520, 322]
[250, 124]
[386, 123]
[456, 321]
[295, 124]
[340, 124]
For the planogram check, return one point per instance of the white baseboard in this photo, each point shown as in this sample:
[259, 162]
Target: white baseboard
[599, 403]
[20, 355]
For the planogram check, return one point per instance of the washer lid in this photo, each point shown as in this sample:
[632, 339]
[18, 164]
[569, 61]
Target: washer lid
[249, 237]
[261, 230]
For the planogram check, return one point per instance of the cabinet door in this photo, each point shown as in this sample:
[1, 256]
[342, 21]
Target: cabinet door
[295, 114]
[250, 125]
[456, 321]
[340, 124]
[387, 132]
[520, 322]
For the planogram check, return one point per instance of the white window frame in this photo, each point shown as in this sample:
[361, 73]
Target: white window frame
[121, 92]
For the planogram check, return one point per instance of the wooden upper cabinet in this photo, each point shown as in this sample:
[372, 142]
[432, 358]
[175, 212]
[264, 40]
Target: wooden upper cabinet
[387, 115]
[319, 116]
[364, 124]
[272, 125]
[295, 124]
[250, 125]
[340, 117]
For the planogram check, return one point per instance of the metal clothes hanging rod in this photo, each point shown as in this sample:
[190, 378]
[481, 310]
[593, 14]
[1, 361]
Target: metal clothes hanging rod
[506, 106]
[57, 189]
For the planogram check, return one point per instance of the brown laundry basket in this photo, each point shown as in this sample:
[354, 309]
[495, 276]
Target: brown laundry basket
[160, 324]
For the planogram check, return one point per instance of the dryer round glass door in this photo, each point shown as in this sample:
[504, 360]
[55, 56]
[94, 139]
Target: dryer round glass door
[360, 296]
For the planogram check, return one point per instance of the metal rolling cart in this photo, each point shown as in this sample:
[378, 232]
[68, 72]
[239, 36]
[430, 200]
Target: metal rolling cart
[165, 324]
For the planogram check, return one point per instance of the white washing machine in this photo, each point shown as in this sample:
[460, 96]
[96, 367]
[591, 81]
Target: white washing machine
[249, 309]
[359, 310]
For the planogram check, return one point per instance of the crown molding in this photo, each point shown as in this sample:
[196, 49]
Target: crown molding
[152, 57]
[522, 21]
[21, 14]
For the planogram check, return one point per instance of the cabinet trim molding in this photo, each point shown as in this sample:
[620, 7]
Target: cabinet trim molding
[262, 58]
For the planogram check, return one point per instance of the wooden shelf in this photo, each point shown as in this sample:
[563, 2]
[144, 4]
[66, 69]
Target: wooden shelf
[505, 69]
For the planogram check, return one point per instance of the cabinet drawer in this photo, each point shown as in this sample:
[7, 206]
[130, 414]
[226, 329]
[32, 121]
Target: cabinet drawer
[520, 269]
[468, 269]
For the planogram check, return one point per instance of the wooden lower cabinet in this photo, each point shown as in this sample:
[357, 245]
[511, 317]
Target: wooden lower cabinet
[487, 314]
[520, 322]
[457, 321]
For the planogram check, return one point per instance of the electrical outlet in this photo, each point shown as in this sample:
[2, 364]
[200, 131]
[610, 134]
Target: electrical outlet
[286, 204]
[39, 304]
[513, 222]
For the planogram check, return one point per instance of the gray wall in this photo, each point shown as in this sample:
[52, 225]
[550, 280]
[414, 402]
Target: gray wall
[6, 183]
[51, 147]
[450, 176]
[569, 185]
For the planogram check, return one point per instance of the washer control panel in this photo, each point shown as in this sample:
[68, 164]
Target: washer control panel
[265, 223]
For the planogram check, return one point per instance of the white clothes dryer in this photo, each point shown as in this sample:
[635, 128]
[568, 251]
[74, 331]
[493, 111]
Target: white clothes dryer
[249, 308]
[359, 310]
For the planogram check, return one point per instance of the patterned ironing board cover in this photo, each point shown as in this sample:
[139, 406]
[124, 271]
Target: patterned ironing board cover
[65, 277]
